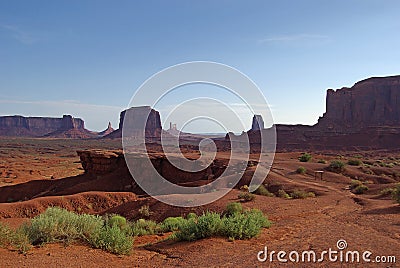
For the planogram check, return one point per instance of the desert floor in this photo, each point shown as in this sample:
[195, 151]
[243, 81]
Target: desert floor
[48, 173]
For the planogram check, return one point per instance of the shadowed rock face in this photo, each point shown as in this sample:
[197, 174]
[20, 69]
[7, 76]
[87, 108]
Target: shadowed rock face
[135, 119]
[37, 126]
[363, 117]
[373, 102]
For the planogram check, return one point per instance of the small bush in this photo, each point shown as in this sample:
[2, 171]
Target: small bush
[283, 194]
[60, 225]
[246, 197]
[388, 191]
[322, 161]
[305, 157]
[336, 166]
[357, 187]
[261, 190]
[396, 193]
[14, 239]
[191, 215]
[57, 224]
[5, 235]
[145, 211]
[143, 227]
[206, 225]
[171, 224]
[301, 170]
[354, 162]
[360, 189]
[233, 208]
[118, 221]
[244, 225]
[300, 194]
[113, 239]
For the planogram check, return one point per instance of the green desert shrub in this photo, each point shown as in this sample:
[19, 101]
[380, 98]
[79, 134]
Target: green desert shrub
[282, 194]
[336, 166]
[145, 211]
[191, 215]
[206, 225]
[360, 189]
[233, 208]
[5, 235]
[357, 187]
[244, 225]
[396, 193]
[112, 239]
[57, 224]
[387, 192]
[246, 196]
[305, 157]
[118, 221]
[354, 162]
[301, 170]
[143, 227]
[13, 239]
[262, 190]
[300, 194]
[322, 161]
[171, 224]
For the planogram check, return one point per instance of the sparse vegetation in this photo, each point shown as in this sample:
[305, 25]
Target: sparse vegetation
[322, 161]
[206, 225]
[262, 190]
[354, 162]
[171, 224]
[233, 208]
[246, 196]
[396, 193]
[300, 194]
[145, 211]
[60, 225]
[388, 191]
[112, 239]
[283, 194]
[13, 239]
[336, 166]
[234, 226]
[143, 227]
[305, 157]
[118, 221]
[244, 225]
[357, 187]
[191, 215]
[301, 170]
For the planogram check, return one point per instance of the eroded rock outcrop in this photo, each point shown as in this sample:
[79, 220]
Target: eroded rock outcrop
[374, 102]
[363, 117]
[111, 163]
[136, 119]
[42, 126]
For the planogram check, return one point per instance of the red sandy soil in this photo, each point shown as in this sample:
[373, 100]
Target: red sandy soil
[367, 222]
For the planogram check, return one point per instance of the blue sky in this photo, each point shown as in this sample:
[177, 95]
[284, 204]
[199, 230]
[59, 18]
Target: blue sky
[87, 58]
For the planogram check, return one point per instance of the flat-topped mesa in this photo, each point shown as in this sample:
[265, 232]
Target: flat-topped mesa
[136, 119]
[38, 126]
[373, 102]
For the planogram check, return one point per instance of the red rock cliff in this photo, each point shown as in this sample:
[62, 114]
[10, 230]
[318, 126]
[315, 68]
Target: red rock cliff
[373, 102]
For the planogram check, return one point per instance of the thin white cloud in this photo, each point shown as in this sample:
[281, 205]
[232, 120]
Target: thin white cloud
[295, 38]
[23, 37]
